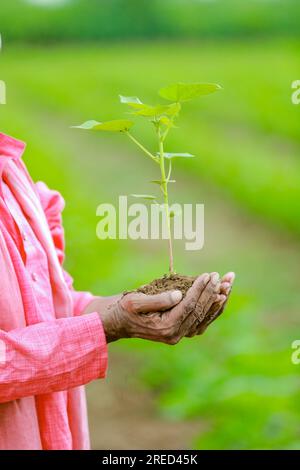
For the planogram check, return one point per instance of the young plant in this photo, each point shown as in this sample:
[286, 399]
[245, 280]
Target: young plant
[162, 117]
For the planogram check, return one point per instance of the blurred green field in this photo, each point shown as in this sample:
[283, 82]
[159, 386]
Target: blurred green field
[79, 20]
[238, 378]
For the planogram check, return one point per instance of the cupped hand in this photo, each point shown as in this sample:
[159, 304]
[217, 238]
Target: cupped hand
[217, 307]
[164, 317]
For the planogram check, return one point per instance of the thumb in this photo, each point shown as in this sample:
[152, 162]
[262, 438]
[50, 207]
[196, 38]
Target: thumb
[142, 303]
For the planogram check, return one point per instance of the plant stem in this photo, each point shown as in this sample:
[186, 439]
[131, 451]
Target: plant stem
[142, 147]
[166, 201]
[170, 170]
[165, 134]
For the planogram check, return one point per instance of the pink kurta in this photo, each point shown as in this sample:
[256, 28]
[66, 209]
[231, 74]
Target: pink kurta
[48, 350]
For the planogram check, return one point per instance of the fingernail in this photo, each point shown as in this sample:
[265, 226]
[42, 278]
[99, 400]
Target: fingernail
[215, 278]
[231, 275]
[205, 277]
[176, 296]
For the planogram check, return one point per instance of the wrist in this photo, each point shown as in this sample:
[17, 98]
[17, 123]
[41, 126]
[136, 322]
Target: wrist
[99, 304]
[111, 319]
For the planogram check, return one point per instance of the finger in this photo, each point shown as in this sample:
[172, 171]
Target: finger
[225, 288]
[223, 305]
[208, 296]
[142, 303]
[214, 309]
[229, 277]
[217, 307]
[215, 275]
[212, 317]
[227, 282]
[188, 305]
[216, 313]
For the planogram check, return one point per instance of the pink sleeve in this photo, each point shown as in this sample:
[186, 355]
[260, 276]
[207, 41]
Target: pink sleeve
[53, 205]
[51, 356]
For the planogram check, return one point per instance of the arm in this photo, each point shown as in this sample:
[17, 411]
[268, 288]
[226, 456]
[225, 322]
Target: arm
[51, 356]
[64, 353]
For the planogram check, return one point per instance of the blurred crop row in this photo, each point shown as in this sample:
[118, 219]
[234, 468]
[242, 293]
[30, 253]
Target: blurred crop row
[48, 20]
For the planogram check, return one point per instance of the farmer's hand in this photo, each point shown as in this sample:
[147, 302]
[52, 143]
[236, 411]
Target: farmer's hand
[217, 308]
[162, 317]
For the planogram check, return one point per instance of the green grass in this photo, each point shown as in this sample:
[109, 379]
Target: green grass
[238, 377]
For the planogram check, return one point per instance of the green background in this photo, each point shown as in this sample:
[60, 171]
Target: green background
[235, 387]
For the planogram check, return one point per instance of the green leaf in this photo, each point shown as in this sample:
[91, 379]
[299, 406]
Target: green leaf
[117, 125]
[172, 109]
[166, 121]
[144, 196]
[146, 110]
[159, 110]
[169, 156]
[130, 99]
[187, 91]
[86, 125]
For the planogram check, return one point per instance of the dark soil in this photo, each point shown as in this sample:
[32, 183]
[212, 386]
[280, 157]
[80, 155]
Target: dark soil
[168, 282]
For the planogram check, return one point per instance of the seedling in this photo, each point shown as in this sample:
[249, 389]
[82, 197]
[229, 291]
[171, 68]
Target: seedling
[162, 117]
